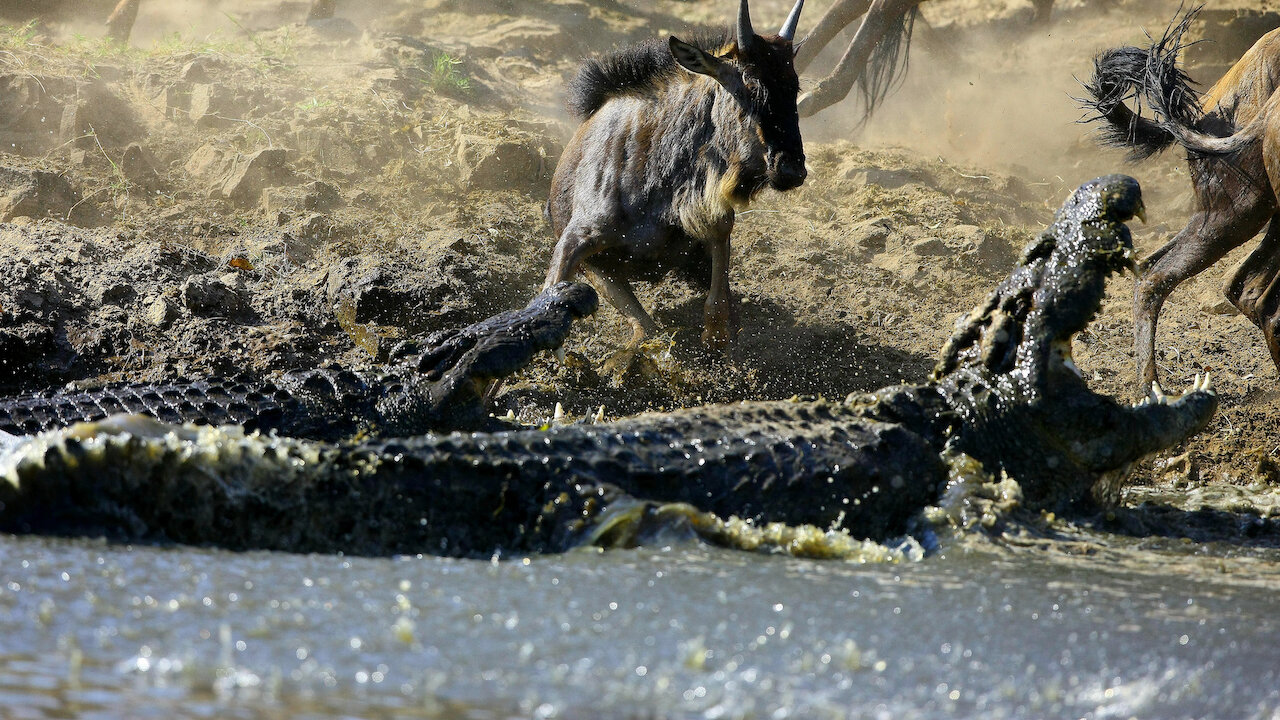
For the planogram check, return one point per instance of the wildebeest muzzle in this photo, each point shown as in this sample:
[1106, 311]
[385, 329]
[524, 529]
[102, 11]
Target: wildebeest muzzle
[786, 170]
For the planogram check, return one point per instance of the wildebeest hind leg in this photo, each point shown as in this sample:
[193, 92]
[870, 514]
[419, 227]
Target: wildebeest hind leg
[1205, 240]
[1254, 288]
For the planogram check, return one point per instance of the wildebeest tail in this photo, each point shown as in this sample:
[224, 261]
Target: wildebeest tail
[887, 65]
[1152, 77]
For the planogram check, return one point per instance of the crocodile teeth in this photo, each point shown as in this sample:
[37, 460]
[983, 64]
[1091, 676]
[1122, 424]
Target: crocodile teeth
[559, 414]
[1071, 365]
[599, 416]
[1157, 395]
[511, 415]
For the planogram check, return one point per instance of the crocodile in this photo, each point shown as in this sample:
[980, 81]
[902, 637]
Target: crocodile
[1005, 393]
[440, 387]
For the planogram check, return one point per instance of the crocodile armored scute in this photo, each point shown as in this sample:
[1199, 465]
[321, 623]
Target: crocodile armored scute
[439, 386]
[1005, 394]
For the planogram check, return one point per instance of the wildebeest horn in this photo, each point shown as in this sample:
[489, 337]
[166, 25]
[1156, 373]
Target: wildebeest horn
[745, 33]
[788, 31]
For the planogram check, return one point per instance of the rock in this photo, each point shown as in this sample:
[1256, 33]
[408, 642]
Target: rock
[35, 193]
[197, 69]
[159, 312]
[209, 161]
[213, 105]
[171, 101]
[335, 28]
[1214, 303]
[251, 174]
[98, 111]
[316, 196]
[930, 247]
[139, 167]
[993, 251]
[114, 294]
[870, 236]
[332, 153]
[491, 164]
[221, 296]
[887, 179]
[30, 114]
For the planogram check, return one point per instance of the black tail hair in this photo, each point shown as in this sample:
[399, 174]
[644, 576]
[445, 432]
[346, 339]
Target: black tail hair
[1151, 76]
[887, 66]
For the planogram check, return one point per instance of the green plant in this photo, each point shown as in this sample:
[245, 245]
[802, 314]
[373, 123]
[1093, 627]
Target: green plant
[443, 75]
[313, 104]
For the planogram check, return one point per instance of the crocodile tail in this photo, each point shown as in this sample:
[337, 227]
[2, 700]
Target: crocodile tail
[1152, 77]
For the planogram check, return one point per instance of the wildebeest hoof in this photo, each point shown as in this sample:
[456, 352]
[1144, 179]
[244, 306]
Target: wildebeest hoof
[719, 338]
[619, 363]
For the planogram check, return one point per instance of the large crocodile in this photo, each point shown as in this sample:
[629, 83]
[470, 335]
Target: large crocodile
[1004, 393]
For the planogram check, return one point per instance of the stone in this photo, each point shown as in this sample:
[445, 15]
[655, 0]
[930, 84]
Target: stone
[117, 293]
[159, 312]
[870, 236]
[139, 167]
[251, 174]
[930, 247]
[491, 164]
[213, 296]
[98, 112]
[36, 194]
[887, 179]
[213, 105]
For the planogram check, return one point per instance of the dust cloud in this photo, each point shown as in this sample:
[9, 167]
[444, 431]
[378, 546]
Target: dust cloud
[998, 93]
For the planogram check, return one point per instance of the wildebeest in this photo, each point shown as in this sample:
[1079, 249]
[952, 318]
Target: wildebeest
[1232, 139]
[674, 137]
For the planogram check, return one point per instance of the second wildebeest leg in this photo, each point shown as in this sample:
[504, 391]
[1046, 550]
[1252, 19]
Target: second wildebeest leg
[1208, 237]
[839, 16]
[880, 17]
[718, 328]
[1254, 288]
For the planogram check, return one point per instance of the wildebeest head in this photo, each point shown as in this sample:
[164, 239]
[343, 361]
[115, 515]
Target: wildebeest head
[758, 72]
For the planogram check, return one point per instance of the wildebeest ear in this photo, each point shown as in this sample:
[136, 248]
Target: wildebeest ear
[694, 59]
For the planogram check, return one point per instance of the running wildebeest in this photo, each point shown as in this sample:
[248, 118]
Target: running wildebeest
[1232, 138]
[674, 137]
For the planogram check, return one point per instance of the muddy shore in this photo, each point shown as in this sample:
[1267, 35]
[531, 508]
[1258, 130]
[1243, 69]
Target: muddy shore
[238, 191]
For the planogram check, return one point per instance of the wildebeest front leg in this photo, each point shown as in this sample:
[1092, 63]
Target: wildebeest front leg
[718, 328]
[1205, 240]
[1255, 290]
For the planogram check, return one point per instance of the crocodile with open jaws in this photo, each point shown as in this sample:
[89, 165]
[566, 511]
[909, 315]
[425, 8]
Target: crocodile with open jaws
[1004, 393]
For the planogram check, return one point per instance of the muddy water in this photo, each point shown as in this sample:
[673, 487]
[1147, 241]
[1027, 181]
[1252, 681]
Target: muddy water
[1081, 629]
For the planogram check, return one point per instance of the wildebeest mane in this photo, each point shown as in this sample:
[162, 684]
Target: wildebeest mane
[1151, 76]
[632, 69]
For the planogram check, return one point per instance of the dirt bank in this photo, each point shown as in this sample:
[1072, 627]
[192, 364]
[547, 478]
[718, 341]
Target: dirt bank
[239, 191]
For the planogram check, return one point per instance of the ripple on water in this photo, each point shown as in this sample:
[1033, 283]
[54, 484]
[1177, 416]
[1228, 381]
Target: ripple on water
[687, 631]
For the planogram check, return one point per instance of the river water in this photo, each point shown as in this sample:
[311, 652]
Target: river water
[1083, 625]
